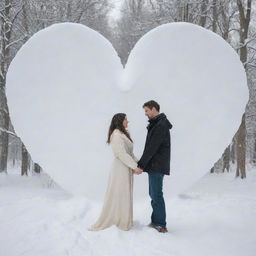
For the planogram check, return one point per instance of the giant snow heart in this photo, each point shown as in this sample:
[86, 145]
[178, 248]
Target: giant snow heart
[66, 82]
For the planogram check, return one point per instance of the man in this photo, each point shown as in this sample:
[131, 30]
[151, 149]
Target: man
[156, 161]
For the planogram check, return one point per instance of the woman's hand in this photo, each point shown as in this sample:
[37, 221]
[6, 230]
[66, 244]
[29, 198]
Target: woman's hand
[137, 171]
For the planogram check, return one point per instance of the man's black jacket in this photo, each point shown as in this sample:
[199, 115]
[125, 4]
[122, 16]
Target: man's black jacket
[156, 155]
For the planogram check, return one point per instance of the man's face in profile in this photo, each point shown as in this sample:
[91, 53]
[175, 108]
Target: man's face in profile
[150, 113]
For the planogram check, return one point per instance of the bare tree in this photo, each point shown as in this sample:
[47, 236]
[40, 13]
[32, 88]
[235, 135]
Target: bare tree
[244, 8]
[25, 161]
[240, 150]
[226, 159]
[7, 23]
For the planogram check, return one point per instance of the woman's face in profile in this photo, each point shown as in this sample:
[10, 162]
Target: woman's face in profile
[125, 122]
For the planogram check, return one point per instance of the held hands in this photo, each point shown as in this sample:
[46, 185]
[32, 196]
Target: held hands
[137, 171]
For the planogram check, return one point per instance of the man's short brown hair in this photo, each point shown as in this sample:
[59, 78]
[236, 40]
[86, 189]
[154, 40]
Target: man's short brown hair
[152, 104]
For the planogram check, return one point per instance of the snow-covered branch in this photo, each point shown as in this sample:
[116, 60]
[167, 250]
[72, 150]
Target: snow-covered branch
[9, 132]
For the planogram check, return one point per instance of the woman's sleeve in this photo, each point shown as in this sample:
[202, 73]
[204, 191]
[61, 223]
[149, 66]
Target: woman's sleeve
[118, 148]
[135, 158]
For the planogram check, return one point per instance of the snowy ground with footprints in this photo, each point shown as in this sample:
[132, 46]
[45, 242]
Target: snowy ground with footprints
[216, 216]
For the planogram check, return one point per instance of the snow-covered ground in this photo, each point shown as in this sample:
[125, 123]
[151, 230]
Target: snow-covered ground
[217, 216]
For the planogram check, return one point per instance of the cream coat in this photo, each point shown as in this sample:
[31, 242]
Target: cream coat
[118, 203]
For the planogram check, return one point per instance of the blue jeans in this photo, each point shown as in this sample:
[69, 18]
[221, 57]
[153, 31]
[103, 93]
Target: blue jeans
[158, 216]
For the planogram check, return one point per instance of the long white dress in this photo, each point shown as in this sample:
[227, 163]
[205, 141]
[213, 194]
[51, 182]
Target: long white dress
[118, 202]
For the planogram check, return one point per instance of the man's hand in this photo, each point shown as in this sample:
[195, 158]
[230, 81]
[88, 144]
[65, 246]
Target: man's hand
[137, 171]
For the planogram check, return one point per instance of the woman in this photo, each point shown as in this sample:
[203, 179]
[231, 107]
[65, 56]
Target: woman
[118, 203]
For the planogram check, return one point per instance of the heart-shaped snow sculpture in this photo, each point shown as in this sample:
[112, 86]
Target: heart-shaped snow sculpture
[66, 82]
[200, 84]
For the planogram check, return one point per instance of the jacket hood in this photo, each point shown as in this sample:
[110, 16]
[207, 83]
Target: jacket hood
[159, 117]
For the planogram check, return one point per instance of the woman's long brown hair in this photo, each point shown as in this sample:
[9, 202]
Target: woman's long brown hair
[117, 123]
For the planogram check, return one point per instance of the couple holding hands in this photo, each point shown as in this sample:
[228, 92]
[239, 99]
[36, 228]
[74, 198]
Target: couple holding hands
[118, 203]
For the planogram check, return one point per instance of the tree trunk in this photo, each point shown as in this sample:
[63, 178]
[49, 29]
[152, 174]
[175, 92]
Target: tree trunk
[202, 21]
[186, 13]
[233, 151]
[4, 138]
[4, 125]
[240, 150]
[226, 159]
[24, 161]
[214, 16]
[244, 20]
[4, 112]
[254, 151]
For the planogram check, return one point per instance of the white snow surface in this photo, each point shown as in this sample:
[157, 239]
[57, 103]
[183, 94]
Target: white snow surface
[214, 217]
[66, 82]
